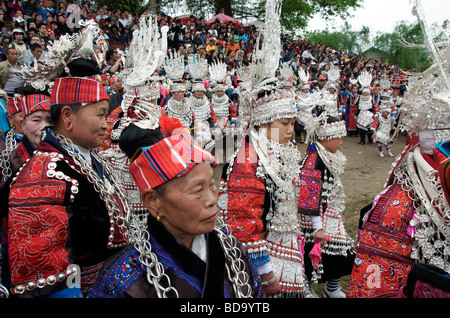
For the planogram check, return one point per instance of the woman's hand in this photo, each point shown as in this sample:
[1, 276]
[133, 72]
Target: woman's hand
[320, 237]
[273, 288]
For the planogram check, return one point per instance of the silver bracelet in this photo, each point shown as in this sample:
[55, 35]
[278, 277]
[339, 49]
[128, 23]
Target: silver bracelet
[270, 281]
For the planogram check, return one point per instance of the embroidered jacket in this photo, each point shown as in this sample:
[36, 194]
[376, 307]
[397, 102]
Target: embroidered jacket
[321, 193]
[267, 227]
[125, 276]
[56, 218]
[245, 202]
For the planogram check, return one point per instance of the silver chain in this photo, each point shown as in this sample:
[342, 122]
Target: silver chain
[156, 276]
[10, 145]
[102, 186]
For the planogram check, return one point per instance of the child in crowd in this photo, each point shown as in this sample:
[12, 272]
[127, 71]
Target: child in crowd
[383, 130]
[329, 252]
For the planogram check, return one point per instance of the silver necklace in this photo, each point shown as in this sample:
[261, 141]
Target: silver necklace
[10, 145]
[157, 277]
[180, 110]
[118, 212]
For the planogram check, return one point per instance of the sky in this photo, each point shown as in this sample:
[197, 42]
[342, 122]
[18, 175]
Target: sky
[383, 15]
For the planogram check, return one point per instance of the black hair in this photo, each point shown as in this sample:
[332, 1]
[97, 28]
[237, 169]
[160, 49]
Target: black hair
[109, 53]
[55, 110]
[35, 46]
[133, 138]
[332, 119]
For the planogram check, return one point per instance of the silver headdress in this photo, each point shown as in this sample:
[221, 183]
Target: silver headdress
[314, 117]
[333, 74]
[174, 67]
[266, 100]
[218, 74]
[145, 54]
[426, 104]
[59, 53]
[365, 79]
[198, 68]
[287, 74]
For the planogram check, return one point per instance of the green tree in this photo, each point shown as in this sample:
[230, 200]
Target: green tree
[128, 5]
[295, 14]
[350, 41]
[393, 44]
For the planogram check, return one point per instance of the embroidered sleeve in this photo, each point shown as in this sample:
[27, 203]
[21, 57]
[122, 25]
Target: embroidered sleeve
[37, 225]
[245, 207]
[310, 187]
[233, 113]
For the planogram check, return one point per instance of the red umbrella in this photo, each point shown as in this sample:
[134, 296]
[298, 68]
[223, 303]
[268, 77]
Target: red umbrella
[224, 19]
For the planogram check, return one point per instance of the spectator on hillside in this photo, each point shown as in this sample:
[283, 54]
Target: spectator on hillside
[233, 46]
[45, 9]
[12, 7]
[112, 63]
[9, 81]
[18, 43]
[29, 8]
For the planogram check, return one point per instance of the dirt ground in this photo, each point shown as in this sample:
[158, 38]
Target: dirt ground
[364, 177]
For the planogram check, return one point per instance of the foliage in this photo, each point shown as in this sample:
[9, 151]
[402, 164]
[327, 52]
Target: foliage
[397, 53]
[123, 5]
[295, 14]
[350, 41]
[388, 47]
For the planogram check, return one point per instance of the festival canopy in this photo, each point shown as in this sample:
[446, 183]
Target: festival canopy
[223, 18]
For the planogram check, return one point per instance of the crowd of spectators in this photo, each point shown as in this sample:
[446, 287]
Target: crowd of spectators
[28, 27]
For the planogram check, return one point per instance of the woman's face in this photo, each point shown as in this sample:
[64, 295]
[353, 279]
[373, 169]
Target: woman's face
[280, 130]
[199, 94]
[87, 126]
[34, 123]
[188, 206]
[178, 95]
[220, 93]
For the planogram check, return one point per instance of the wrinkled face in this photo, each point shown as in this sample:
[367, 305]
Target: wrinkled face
[87, 126]
[188, 205]
[34, 123]
[332, 145]
[280, 130]
[12, 56]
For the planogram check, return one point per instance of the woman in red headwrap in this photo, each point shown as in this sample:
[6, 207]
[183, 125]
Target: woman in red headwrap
[182, 249]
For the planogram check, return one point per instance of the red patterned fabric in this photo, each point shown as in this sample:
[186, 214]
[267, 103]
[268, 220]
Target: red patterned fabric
[246, 194]
[310, 186]
[35, 102]
[14, 105]
[37, 225]
[171, 157]
[383, 262]
[72, 90]
[111, 121]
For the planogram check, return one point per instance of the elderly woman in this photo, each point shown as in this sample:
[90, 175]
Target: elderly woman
[178, 251]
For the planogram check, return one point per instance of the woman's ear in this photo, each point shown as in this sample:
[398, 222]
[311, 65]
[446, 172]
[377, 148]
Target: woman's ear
[67, 117]
[151, 201]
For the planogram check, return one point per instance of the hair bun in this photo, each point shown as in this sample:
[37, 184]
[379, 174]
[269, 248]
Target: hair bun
[133, 138]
